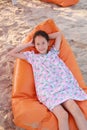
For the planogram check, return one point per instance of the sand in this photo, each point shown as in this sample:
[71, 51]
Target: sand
[17, 21]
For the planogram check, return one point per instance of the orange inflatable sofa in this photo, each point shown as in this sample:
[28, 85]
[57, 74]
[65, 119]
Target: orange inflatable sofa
[28, 112]
[63, 3]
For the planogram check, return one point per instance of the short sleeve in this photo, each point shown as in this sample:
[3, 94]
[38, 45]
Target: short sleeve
[29, 55]
[54, 50]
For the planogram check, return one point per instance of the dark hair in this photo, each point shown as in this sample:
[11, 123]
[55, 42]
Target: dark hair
[40, 33]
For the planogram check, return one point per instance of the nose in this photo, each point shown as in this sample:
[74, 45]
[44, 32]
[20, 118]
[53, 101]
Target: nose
[41, 47]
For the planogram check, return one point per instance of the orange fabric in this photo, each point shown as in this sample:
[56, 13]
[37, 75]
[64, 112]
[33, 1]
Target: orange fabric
[63, 3]
[28, 112]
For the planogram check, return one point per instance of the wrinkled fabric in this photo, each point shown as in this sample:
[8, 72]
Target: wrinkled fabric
[53, 80]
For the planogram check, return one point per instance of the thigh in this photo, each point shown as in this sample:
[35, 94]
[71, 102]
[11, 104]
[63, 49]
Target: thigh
[68, 104]
[60, 112]
[71, 106]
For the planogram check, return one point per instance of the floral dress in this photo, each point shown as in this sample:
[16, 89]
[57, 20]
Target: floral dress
[54, 81]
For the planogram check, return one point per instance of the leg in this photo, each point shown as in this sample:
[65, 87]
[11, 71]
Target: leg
[76, 112]
[62, 117]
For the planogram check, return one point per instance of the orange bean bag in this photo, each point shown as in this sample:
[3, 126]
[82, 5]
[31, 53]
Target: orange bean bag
[28, 112]
[63, 3]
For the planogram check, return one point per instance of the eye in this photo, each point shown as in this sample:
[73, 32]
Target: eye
[37, 44]
[43, 43]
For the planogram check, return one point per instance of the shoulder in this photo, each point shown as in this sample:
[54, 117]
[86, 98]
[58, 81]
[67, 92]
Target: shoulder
[54, 50]
[28, 53]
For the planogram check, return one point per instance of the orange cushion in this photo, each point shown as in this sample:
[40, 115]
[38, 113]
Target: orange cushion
[28, 112]
[63, 3]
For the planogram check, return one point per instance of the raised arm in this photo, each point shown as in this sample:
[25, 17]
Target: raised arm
[16, 52]
[57, 36]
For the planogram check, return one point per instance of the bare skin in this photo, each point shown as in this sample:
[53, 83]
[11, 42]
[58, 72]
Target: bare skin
[62, 117]
[75, 111]
[41, 45]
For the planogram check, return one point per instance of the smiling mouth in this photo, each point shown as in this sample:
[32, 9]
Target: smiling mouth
[42, 50]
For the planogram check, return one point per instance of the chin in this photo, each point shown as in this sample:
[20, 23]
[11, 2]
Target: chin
[42, 52]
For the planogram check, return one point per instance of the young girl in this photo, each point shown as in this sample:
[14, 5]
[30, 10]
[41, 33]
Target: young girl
[55, 85]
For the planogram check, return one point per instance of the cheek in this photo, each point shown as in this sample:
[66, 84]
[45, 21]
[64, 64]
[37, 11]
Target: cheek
[36, 47]
[47, 46]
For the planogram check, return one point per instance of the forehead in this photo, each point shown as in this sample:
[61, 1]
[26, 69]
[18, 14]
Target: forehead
[40, 38]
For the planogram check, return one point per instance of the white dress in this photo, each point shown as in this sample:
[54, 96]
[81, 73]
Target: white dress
[54, 81]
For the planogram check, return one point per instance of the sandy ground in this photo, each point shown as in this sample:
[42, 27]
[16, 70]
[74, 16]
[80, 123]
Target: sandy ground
[17, 21]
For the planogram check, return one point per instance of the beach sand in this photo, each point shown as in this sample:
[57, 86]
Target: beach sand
[17, 21]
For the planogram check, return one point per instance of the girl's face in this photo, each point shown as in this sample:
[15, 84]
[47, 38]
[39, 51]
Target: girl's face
[41, 44]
